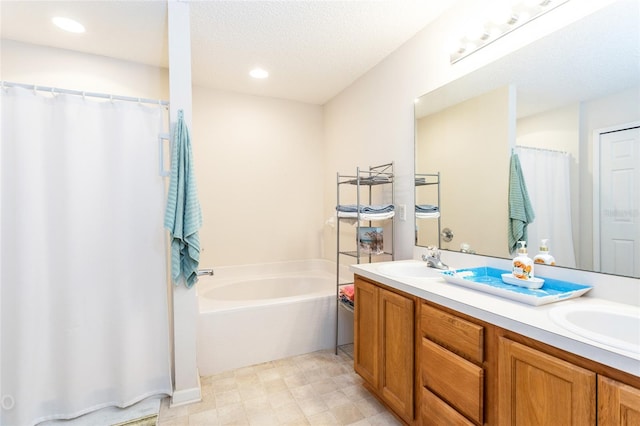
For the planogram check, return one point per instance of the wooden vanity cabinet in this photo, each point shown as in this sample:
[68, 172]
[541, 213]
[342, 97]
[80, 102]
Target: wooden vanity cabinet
[535, 388]
[539, 384]
[383, 344]
[468, 372]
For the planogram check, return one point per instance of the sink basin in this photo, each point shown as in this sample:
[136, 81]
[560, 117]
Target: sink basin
[407, 270]
[617, 326]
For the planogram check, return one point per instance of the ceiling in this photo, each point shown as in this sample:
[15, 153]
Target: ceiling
[588, 59]
[312, 49]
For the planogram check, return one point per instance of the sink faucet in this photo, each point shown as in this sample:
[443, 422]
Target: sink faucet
[433, 258]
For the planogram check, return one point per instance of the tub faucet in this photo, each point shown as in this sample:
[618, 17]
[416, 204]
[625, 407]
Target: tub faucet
[433, 258]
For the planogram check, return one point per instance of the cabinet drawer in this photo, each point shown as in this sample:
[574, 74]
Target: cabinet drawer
[458, 335]
[454, 379]
[436, 412]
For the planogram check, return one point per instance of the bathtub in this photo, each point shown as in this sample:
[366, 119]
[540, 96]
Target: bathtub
[257, 313]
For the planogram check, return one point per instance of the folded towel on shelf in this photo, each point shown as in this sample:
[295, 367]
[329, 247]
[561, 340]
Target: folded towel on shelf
[353, 216]
[347, 291]
[376, 178]
[346, 301]
[428, 215]
[426, 208]
[366, 212]
[351, 208]
[371, 180]
[347, 295]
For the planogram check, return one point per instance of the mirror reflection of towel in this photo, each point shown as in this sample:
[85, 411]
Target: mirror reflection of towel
[520, 210]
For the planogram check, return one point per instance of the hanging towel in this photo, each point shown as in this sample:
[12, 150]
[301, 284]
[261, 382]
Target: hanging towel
[520, 211]
[183, 217]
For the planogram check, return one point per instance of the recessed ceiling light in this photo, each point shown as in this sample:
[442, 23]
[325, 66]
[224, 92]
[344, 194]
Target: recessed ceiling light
[68, 24]
[259, 73]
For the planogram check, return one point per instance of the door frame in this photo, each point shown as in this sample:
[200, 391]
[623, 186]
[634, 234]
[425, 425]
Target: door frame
[597, 133]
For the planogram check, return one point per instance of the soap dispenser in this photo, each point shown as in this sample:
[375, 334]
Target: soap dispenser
[522, 263]
[544, 257]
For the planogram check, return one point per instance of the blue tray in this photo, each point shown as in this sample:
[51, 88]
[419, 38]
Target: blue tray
[489, 280]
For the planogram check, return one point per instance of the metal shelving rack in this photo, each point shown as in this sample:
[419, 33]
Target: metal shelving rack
[430, 179]
[368, 179]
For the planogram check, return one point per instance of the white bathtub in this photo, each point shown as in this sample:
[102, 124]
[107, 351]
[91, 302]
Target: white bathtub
[257, 313]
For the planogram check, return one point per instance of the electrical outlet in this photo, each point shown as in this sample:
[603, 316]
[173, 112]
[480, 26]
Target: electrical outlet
[403, 212]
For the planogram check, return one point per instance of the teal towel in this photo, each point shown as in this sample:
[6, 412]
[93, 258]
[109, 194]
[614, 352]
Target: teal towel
[520, 211]
[183, 217]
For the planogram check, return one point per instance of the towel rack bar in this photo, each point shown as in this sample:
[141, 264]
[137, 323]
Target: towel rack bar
[205, 272]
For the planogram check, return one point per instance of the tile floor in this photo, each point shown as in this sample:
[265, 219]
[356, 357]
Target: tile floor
[320, 388]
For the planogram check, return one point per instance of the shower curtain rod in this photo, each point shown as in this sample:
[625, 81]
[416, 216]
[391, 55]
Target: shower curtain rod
[54, 90]
[542, 149]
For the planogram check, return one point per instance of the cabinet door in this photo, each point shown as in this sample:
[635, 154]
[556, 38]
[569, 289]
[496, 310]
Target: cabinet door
[365, 332]
[618, 404]
[535, 388]
[396, 340]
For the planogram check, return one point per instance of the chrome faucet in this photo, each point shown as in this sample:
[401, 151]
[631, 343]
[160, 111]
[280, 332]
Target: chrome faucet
[433, 258]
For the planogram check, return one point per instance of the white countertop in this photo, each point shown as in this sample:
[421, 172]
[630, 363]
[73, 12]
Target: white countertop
[527, 320]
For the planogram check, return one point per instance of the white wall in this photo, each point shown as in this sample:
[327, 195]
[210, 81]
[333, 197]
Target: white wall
[258, 160]
[570, 128]
[258, 166]
[558, 129]
[468, 172]
[613, 110]
[372, 120]
[45, 66]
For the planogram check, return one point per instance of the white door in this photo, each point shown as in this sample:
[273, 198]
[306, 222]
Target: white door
[620, 202]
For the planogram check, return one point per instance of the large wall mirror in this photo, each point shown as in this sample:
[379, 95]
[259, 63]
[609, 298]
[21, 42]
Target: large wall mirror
[569, 106]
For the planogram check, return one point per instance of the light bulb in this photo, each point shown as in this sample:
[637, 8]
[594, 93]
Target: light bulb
[476, 32]
[500, 13]
[68, 24]
[259, 73]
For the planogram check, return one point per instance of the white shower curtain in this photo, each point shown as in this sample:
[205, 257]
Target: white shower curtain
[84, 294]
[547, 176]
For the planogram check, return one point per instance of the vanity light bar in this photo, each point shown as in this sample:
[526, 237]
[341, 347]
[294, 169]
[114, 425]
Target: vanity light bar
[500, 24]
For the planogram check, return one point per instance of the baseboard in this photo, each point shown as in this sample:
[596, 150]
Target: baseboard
[186, 396]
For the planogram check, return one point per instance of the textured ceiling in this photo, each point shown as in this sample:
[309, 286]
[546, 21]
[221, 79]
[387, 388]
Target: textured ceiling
[312, 49]
[591, 58]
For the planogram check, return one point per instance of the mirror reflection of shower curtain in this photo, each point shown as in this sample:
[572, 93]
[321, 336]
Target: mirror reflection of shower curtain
[547, 175]
[83, 267]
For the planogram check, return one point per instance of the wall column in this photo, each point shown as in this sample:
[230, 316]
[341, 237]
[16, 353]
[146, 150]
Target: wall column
[186, 385]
